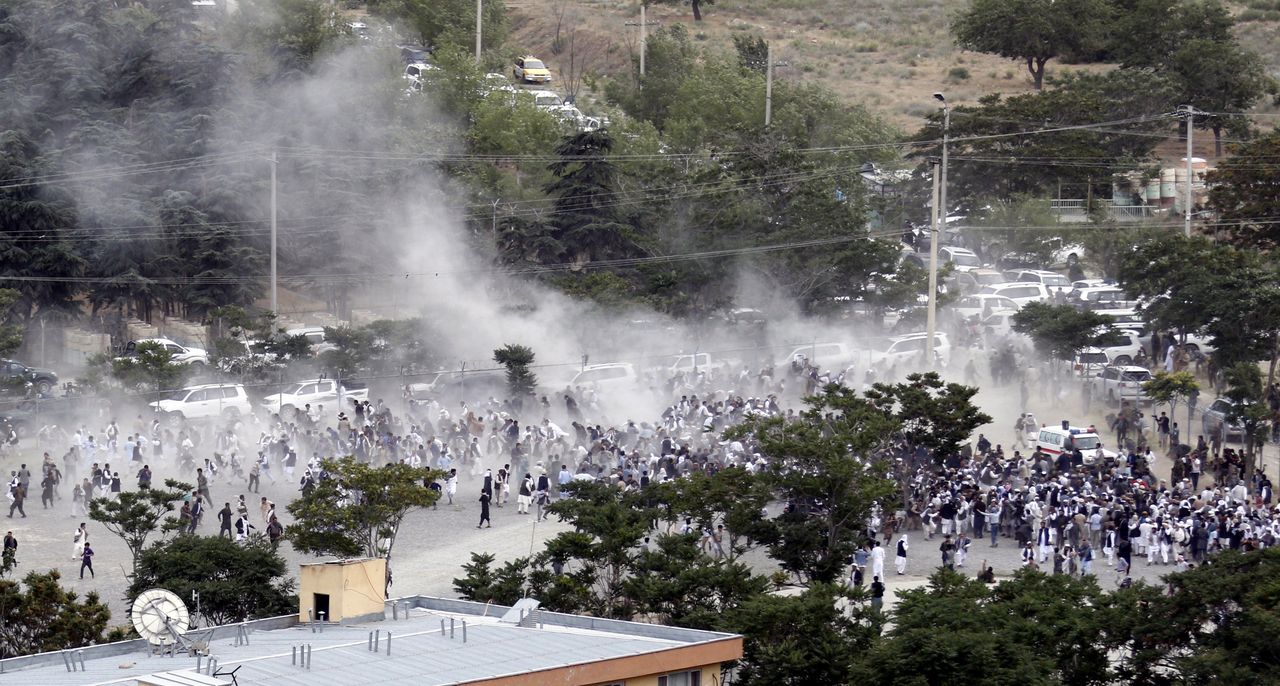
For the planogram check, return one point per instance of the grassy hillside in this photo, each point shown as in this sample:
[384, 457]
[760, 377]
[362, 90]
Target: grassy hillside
[889, 55]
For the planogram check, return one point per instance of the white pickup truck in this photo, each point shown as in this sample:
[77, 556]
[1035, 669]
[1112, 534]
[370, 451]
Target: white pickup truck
[294, 397]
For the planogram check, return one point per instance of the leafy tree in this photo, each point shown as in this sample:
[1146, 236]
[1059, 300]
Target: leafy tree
[1216, 624]
[586, 222]
[1061, 331]
[670, 56]
[358, 509]
[1145, 33]
[1246, 195]
[448, 23]
[351, 352]
[484, 584]
[995, 130]
[46, 617]
[135, 515]
[1031, 31]
[679, 584]
[608, 525]
[236, 581]
[151, 367]
[1220, 76]
[732, 496]
[517, 359]
[294, 33]
[11, 333]
[811, 638]
[825, 469]
[1033, 628]
[1171, 387]
[1230, 295]
[753, 51]
[1248, 408]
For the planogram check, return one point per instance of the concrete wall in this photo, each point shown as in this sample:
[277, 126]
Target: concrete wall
[355, 588]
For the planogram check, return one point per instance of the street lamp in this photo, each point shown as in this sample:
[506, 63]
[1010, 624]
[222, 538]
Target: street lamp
[939, 221]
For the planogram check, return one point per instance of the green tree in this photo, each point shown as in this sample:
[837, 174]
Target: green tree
[135, 516]
[732, 496]
[1171, 387]
[1061, 331]
[586, 220]
[1220, 77]
[1215, 625]
[45, 617]
[679, 584]
[236, 581]
[11, 333]
[484, 584]
[753, 51]
[293, 33]
[995, 129]
[1249, 409]
[811, 638]
[1034, 628]
[358, 509]
[351, 352]
[518, 359]
[151, 367]
[1146, 33]
[447, 23]
[1246, 195]
[825, 467]
[1032, 32]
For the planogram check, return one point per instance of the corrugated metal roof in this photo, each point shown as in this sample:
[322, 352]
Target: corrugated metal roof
[420, 655]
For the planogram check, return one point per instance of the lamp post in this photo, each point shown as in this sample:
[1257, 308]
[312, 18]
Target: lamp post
[938, 225]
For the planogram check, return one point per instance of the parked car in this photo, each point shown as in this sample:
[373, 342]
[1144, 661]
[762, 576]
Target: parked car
[207, 401]
[1214, 420]
[1125, 348]
[982, 304]
[1089, 362]
[1020, 293]
[1099, 297]
[1055, 282]
[197, 357]
[16, 374]
[414, 53]
[1117, 383]
[909, 349]
[615, 375]
[315, 336]
[961, 259]
[296, 396]
[417, 71]
[531, 70]
[829, 356]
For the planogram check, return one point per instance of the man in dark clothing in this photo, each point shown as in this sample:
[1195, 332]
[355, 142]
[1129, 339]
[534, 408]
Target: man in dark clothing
[144, 478]
[19, 496]
[484, 510]
[10, 551]
[877, 593]
[224, 521]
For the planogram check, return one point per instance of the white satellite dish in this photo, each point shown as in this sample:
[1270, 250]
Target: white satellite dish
[160, 616]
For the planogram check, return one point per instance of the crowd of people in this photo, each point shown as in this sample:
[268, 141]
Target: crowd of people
[1064, 512]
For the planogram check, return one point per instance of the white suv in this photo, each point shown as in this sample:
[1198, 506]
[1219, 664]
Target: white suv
[1021, 292]
[205, 402]
[1117, 383]
[179, 354]
[909, 349]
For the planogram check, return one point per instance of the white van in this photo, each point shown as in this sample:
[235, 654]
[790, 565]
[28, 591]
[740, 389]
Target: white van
[205, 402]
[1021, 292]
[615, 375]
[1055, 440]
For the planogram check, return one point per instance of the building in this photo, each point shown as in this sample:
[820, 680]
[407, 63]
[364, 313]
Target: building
[418, 641]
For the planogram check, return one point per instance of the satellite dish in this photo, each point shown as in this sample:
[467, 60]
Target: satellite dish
[160, 616]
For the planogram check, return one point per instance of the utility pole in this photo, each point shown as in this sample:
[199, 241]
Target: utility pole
[932, 320]
[644, 28]
[275, 297]
[643, 37]
[479, 14]
[946, 138]
[1189, 112]
[768, 84]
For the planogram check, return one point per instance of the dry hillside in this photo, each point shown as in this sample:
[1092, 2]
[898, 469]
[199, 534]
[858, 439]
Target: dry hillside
[889, 55]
